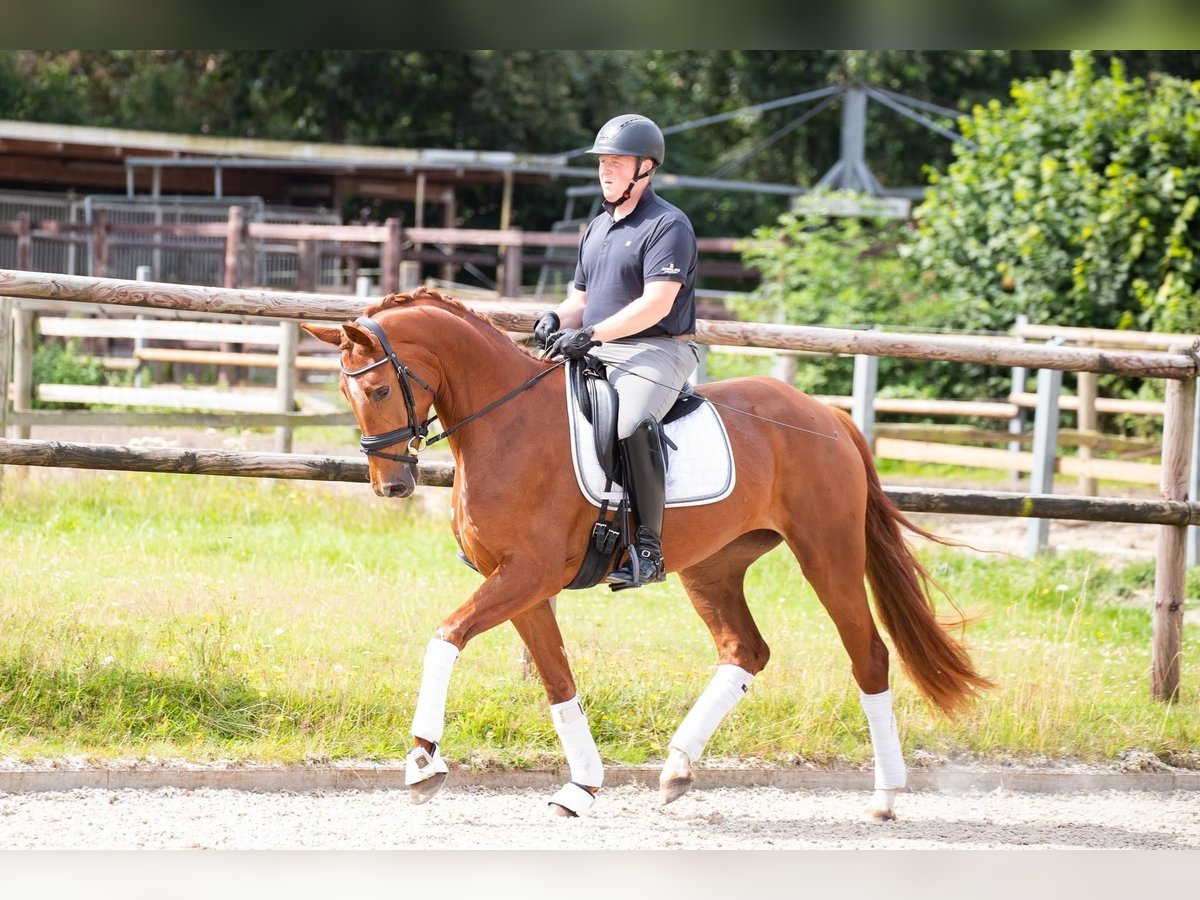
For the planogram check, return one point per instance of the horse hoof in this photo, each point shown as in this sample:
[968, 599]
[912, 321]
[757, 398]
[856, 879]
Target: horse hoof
[676, 777]
[424, 791]
[882, 806]
[573, 800]
[674, 788]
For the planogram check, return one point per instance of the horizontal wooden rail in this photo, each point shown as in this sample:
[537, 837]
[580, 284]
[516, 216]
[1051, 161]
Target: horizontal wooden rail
[1102, 404]
[260, 400]
[366, 234]
[219, 358]
[1102, 337]
[1014, 461]
[185, 461]
[970, 434]
[979, 409]
[214, 332]
[513, 316]
[65, 418]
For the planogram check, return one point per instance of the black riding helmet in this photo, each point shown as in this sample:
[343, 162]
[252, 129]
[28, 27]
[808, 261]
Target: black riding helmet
[631, 135]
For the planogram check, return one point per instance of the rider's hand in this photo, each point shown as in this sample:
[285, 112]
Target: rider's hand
[572, 343]
[545, 328]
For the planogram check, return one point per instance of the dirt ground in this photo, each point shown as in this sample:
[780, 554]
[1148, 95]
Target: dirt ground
[626, 817]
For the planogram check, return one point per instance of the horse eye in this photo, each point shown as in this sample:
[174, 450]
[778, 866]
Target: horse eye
[381, 393]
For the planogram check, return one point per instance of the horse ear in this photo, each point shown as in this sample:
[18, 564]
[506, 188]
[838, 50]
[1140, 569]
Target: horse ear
[330, 334]
[358, 335]
[339, 334]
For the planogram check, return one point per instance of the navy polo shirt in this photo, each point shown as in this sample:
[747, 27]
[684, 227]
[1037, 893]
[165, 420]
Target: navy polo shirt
[617, 259]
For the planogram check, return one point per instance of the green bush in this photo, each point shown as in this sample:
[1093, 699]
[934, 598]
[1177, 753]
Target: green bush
[55, 363]
[1078, 206]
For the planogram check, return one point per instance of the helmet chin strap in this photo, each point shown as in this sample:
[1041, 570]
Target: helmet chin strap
[612, 207]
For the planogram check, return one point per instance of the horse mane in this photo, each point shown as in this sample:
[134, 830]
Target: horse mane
[424, 296]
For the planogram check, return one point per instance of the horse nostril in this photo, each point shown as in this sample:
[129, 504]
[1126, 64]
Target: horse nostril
[397, 489]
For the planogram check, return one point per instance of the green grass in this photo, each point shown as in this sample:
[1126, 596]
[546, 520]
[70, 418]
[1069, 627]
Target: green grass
[217, 618]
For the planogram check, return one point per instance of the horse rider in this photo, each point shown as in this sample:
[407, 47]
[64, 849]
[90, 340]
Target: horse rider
[633, 305]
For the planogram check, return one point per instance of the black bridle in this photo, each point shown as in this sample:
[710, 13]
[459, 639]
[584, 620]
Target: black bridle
[375, 444]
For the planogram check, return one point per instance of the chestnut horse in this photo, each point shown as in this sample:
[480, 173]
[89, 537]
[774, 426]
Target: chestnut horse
[804, 476]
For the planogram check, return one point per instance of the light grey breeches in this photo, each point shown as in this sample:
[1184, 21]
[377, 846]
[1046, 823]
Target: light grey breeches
[647, 373]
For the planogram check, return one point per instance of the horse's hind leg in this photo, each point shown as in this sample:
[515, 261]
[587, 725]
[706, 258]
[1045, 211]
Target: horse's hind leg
[715, 587]
[538, 628]
[834, 565]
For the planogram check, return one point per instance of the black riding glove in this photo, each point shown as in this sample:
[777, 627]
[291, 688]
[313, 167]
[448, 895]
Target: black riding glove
[545, 328]
[573, 343]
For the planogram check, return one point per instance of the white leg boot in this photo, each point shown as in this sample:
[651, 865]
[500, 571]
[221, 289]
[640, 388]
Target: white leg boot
[727, 687]
[576, 797]
[424, 772]
[890, 772]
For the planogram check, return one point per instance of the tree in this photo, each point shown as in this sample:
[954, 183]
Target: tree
[1080, 205]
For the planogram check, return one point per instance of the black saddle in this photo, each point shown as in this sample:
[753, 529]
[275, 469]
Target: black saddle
[599, 404]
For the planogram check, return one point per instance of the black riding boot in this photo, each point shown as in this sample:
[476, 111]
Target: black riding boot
[645, 476]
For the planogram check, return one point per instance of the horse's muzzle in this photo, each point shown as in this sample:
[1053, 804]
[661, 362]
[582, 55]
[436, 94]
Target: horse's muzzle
[395, 483]
[397, 490]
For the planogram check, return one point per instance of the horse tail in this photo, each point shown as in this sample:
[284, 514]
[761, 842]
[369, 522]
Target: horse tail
[935, 661]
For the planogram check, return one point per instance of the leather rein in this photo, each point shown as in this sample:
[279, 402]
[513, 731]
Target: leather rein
[413, 433]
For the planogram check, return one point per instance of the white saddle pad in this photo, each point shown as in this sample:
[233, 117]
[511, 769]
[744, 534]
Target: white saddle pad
[700, 471]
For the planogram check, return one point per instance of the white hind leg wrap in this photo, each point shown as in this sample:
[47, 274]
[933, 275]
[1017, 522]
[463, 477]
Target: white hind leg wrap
[571, 723]
[727, 687]
[430, 717]
[890, 772]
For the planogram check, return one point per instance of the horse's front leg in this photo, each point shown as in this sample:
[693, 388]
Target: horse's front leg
[539, 630]
[517, 584]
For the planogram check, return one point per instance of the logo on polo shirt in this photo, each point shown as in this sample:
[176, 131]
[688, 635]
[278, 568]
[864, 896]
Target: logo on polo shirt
[670, 269]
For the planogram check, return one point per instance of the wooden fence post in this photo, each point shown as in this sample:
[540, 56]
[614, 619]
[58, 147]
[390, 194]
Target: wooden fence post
[6, 328]
[235, 250]
[512, 269]
[1193, 532]
[1016, 425]
[100, 244]
[1170, 574]
[22, 366]
[144, 273]
[22, 324]
[307, 264]
[389, 259]
[1045, 443]
[862, 406]
[1086, 423]
[235, 237]
[285, 381]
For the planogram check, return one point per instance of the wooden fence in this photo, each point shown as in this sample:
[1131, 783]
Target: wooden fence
[393, 248]
[1179, 366]
[976, 447]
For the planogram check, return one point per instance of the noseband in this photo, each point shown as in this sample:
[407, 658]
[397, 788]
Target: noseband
[375, 444]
